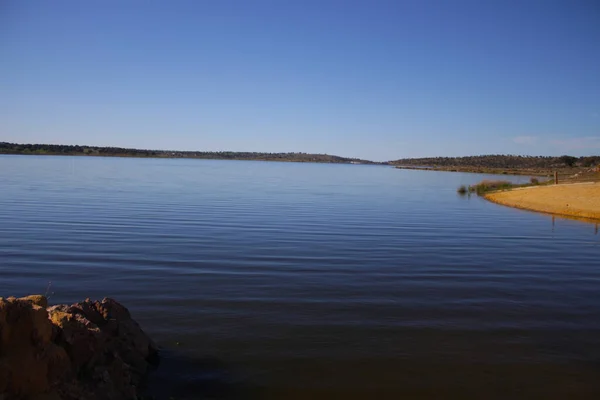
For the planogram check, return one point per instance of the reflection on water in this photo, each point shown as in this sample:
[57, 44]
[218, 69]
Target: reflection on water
[593, 222]
[181, 377]
[189, 379]
[280, 280]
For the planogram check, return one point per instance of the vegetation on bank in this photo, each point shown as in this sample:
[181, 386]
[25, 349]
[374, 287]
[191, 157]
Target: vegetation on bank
[74, 150]
[487, 163]
[486, 186]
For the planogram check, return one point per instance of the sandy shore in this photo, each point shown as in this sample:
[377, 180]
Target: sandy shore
[574, 200]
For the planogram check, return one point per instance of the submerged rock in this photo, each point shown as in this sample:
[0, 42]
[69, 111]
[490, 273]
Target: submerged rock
[91, 350]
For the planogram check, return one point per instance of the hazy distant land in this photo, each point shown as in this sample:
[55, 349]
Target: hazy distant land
[76, 150]
[501, 164]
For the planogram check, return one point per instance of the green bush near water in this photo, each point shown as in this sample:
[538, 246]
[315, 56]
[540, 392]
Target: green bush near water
[488, 186]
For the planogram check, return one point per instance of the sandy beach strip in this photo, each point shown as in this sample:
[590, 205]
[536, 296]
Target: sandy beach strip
[575, 200]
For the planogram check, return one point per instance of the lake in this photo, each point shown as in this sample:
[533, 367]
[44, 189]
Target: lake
[284, 280]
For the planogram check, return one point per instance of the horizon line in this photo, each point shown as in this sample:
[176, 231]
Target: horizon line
[280, 152]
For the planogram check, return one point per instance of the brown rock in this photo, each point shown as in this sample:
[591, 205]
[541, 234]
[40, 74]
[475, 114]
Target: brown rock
[4, 375]
[90, 350]
[37, 299]
[26, 333]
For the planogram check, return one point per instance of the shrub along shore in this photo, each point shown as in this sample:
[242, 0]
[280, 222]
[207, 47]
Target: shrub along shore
[486, 186]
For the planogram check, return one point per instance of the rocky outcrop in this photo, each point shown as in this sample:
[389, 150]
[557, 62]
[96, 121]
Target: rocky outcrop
[91, 350]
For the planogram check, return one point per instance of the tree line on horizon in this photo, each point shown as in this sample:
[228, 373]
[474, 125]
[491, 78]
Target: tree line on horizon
[501, 161]
[481, 161]
[59, 149]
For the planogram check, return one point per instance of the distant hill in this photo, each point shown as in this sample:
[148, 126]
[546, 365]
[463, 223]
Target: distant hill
[484, 161]
[59, 149]
[500, 161]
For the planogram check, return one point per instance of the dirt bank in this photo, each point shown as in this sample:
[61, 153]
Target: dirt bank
[574, 200]
[91, 350]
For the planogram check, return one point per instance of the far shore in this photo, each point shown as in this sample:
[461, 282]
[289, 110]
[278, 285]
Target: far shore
[579, 200]
[483, 170]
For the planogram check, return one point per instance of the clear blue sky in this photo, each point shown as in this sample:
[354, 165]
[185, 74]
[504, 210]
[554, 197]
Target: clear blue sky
[371, 79]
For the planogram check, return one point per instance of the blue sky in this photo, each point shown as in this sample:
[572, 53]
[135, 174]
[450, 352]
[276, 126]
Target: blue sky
[371, 79]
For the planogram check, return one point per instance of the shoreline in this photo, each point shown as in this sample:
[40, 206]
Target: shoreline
[576, 200]
[114, 151]
[475, 170]
[160, 157]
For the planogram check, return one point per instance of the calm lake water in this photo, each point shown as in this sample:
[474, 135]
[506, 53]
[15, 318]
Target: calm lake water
[284, 280]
